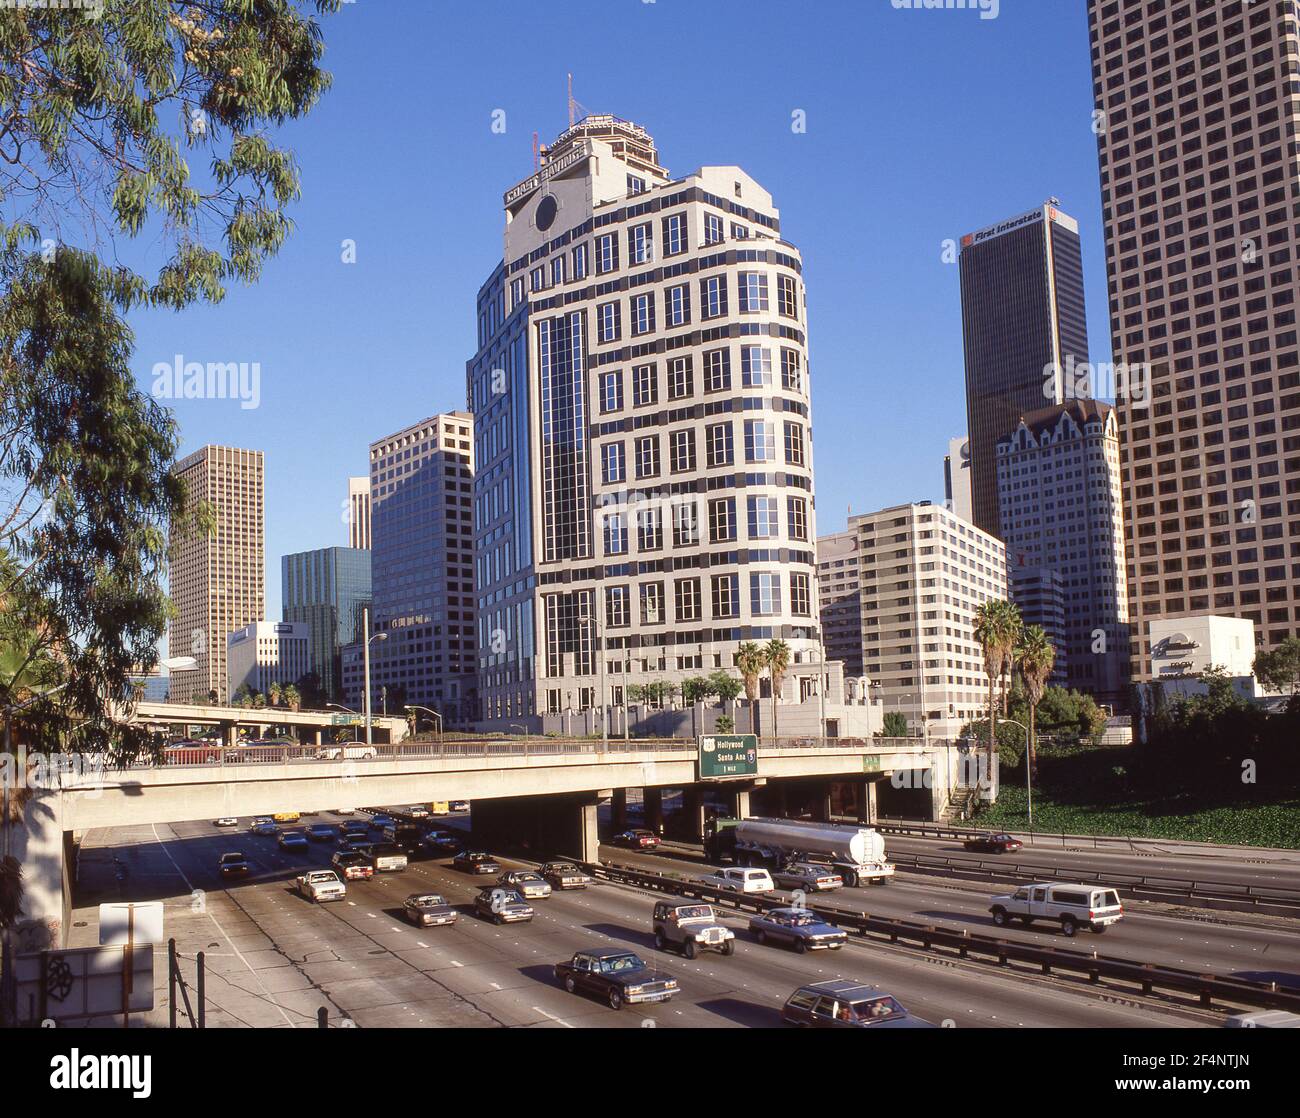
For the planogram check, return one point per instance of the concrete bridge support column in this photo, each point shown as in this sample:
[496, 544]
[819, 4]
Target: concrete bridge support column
[318, 736]
[230, 734]
[867, 802]
[588, 832]
[742, 809]
[618, 809]
[654, 809]
[693, 811]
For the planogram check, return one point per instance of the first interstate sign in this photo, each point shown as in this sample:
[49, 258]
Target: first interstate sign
[731, 755]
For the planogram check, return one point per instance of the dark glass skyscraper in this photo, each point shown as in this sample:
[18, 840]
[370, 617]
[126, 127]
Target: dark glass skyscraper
[1022, 317]
[327, 589]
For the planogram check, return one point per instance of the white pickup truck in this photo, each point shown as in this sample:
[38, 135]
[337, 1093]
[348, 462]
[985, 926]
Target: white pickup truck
[321, 885]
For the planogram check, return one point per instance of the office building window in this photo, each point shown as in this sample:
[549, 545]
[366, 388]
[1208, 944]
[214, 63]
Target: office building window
[722, 451]
[796, 513]
[717, 370]
[800, 596]
[643, 313]
[645, 386]
[674, 226]
[726, 596]
[618, 607]
[752, 291]
[764, 594]
[760, 441]
[649, 529]
[652, 603]
[713, 297]
[786, 297]
[763, 518]
[755, 366]
[794, 444]
[681, 378]
[686, 528]
[647, 456]
[607, 320]
[712, 229]
[606, 253]
[640, 245]
[677, 305]
[722, 520]
[682, 450]
[615, 533]
[557, 270]
[612, 465]
[579, 258]
[687, 595]
[611, 391]
[791, 370]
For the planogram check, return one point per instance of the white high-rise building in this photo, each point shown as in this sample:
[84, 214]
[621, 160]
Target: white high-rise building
[267, 652]
[923, 571]
[644, 495]
[957, 478]
[359, 513]
[1059, 506]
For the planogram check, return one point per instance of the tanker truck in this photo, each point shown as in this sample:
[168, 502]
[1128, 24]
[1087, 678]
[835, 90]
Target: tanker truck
[856, 853]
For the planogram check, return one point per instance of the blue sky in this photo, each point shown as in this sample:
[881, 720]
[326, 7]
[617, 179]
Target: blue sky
[921, 126]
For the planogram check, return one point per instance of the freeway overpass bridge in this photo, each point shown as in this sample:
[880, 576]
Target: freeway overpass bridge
[540, 792]
[317, 725]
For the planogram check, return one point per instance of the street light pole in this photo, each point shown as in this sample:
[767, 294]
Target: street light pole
[365, 627]
[597, 651]
[822, 683]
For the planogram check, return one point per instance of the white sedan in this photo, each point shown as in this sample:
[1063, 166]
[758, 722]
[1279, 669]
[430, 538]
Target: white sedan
[226, 821]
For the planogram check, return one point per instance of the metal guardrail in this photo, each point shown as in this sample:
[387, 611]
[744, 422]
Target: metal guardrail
[1206, 988]
[1148, 887]
[221, 754]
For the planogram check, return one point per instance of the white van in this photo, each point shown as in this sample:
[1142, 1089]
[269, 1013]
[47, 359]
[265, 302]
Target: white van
[1072, 906]
[741, 880]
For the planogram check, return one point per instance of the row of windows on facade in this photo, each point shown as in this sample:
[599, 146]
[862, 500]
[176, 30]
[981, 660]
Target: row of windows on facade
[756, 371]
[719, 443]
[766, 599]
[751, 298]
[763, 522]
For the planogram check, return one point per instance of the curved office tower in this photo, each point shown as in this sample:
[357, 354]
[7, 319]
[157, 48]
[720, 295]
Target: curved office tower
[644, 495]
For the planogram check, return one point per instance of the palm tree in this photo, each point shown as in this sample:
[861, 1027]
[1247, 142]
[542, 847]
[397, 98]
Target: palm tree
[275, 691]
[1035, 657]
[292, 697]
[750, 662]
[1013, 628]
[997, 625]
[777, 654]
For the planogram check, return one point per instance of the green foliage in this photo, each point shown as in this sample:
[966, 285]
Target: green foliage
[895, 724]
[102, 118]
[726, 724]
[695, 690]
[1278, 669]
[725, 686]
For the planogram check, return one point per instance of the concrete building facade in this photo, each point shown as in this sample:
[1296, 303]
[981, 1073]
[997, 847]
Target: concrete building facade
[957, 478]
[327, 590]
[1059, 507]
[1200, 185]
[644, 499]
[216, 579]
[422, 571]
[1023, 326]
[839, 595]
[267, 652]
[358, 513]
[923, 573]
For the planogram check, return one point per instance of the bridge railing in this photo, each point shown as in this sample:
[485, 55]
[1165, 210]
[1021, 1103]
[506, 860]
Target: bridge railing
[216, 753]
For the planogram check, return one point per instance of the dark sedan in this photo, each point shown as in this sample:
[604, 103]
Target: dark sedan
[993, 844]
[475, 861]
[617, 977]
[293, 840]
[425, 910]
[322, 832]
[233, 865]
[844, 1004]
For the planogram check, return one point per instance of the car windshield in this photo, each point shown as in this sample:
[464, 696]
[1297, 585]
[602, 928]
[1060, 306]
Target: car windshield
[1002, 838]
[802, 919]
[527, 877]
[427, 900]
[563, 867]
[616, 963]
[876, 1009]
[695, 912]
[232, 857]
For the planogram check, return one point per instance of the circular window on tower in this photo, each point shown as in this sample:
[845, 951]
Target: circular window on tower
[547, 208]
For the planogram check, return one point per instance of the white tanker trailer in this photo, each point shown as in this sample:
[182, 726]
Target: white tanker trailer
[857, 853]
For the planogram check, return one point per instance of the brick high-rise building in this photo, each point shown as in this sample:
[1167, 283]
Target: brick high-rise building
[1198, 109]
[217, 579]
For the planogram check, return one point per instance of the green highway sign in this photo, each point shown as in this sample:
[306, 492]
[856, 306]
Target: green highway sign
[345, 719]
[728, 755]
[870, 763]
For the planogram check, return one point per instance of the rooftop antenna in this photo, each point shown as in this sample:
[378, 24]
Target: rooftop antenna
[570, 100]
[576, 108]
[537, 161]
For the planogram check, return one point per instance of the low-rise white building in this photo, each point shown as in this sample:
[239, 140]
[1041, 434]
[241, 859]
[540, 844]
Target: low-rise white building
[267, 652]
[1184, 647]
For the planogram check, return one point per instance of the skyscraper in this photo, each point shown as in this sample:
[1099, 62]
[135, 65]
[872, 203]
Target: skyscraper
[1059, 504]
[641, 406]
[1022, 324]
[359, 513]
[326, 589]
[956, 478]
[1198, 109]
[422, 570]
[216, 579]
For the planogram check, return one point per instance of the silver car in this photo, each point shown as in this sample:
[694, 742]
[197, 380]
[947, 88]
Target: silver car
[801, 929]
[811, 877]
[528, 882]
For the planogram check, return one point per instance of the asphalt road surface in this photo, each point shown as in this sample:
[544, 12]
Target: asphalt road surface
[274, 958]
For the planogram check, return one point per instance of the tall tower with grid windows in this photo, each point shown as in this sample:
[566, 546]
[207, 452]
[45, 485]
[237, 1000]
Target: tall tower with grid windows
[644, 491]
[1198, 114]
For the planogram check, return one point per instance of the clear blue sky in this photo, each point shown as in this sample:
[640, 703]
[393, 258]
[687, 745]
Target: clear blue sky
[921, 126]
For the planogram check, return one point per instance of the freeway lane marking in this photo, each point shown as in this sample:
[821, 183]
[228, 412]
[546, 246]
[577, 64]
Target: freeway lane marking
[551, 1016]
[211, 916]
